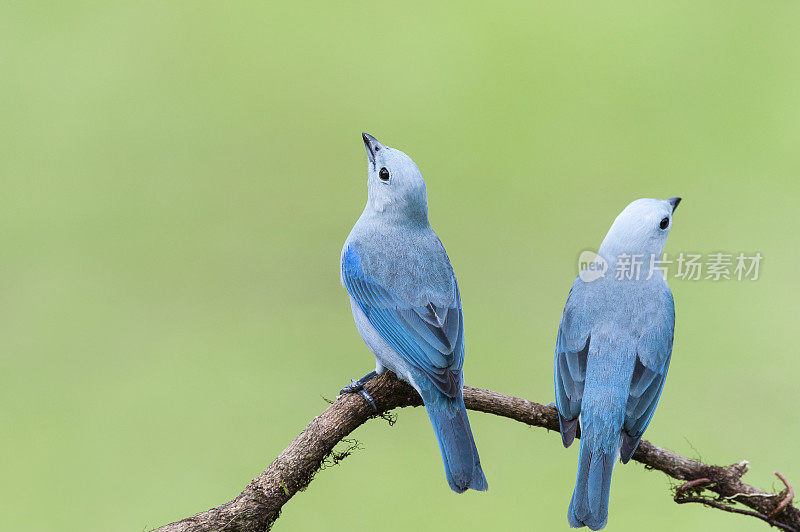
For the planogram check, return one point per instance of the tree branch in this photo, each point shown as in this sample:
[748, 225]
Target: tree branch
[259, 505]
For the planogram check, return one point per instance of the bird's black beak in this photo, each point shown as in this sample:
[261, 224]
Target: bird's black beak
[372, 145]
[674, 202]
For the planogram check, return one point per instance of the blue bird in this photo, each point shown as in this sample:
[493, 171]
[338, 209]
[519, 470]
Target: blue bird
[613, 351]
[407, 307]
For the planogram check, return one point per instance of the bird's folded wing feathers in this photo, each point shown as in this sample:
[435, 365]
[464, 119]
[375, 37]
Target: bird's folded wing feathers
[571, 350]
[649, 373]
[430, 338]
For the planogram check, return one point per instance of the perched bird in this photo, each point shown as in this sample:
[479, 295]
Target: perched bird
[406, 304]
[612, 353]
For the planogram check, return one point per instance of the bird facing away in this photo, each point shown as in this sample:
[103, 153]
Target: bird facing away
[612, 353]
[406, 304]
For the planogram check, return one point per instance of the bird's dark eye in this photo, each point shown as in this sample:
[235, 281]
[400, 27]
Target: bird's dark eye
[384, 174]
[664, 222]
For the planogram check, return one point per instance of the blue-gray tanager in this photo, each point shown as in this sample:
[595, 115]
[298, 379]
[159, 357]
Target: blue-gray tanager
[613, 350]
[406, 304]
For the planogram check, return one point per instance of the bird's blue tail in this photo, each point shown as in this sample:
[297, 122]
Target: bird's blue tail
[461, 463]
[589, 504]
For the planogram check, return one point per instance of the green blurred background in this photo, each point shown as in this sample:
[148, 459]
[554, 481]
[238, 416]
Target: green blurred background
[178, 179]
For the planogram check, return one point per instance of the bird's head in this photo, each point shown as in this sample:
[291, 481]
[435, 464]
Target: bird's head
[394, 182]
[640, 229]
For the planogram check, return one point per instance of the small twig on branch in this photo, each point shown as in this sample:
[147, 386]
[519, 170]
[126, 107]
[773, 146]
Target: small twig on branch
[726, 503]
[259, 505]
[786, 500]
[692, 484]
[711, 503]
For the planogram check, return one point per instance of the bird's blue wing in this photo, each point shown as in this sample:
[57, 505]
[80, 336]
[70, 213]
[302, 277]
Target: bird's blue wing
[572, 346]
[649, 373]
[430, 338]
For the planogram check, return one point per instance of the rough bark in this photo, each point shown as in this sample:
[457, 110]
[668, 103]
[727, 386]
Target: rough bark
[259, 505]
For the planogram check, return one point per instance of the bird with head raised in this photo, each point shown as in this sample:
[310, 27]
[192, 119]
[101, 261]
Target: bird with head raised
[407, 307]
[613, 350]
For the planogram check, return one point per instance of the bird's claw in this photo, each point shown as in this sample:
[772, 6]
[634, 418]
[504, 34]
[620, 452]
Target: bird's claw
[368, 398]
[353, 387]
[356, 386]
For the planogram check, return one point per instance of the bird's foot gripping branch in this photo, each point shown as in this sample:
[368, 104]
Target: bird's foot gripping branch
[259, 505]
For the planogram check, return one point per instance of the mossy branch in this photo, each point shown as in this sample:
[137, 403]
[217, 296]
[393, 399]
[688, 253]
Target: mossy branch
[259, 505]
